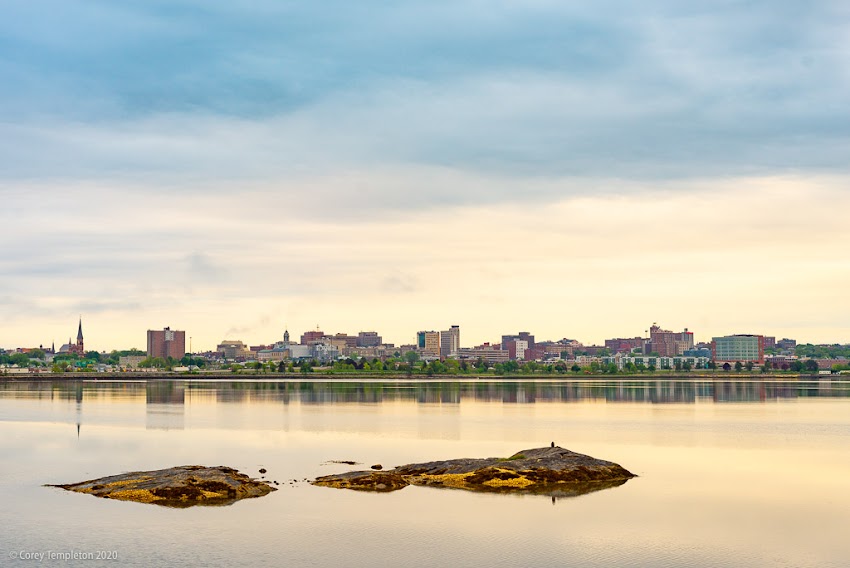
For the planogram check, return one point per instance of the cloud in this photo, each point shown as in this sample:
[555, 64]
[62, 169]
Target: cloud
[195, 97]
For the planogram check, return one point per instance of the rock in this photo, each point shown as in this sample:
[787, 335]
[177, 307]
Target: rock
[183, 486]
[377, 466]
[551, 471]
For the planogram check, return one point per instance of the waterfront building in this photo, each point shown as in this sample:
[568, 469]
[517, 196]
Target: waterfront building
[130, 361]
[166, 343]
[738, 348]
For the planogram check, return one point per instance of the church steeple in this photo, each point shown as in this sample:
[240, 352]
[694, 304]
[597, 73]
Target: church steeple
[80, 348]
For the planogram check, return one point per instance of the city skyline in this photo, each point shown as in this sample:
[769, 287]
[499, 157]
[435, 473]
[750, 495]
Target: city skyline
[185, 339]
[569, 169]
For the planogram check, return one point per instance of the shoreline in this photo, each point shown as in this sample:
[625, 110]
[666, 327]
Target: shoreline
[403, 377]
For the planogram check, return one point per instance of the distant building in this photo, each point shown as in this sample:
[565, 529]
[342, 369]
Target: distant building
[79, 346]
[167, 343]
[517, 349]
[489, 353]
[620, 345]
[698, 352]
[420, 339]
[432, 343]
[233, 349]
[130, 361]
[369, 339]
[450, 342]
[787, 344]
[522, 336]
[769, 342]
[738, 348]
[310, 337]
[669, 343]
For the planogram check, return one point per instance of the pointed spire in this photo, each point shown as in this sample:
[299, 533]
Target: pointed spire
[80, 330]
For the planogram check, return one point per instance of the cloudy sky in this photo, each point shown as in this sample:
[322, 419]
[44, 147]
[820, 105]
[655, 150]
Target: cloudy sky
[575, 170]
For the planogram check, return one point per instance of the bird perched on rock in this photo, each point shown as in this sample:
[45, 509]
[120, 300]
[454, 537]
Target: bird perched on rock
[553, 444]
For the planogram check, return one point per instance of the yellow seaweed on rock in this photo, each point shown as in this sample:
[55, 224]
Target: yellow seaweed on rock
[137, 495]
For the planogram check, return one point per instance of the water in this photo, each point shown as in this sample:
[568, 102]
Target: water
[739, 474]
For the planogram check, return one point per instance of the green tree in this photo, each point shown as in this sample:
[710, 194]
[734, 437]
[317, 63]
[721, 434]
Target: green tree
[812, 365]
[749, 366]
[575, 368]
[738, 366]
[411, 357]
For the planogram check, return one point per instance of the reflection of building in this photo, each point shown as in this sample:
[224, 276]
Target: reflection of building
[669, 343]
[165, 405]
[167, 343]
[735, 348]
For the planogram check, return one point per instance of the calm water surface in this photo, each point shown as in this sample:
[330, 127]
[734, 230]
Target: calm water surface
[731, 473]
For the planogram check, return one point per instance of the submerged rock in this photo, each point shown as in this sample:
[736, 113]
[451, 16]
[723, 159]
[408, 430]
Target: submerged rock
[551, 471]
[183, 486]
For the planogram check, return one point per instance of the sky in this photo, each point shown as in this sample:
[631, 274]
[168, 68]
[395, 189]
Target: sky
[576, 170]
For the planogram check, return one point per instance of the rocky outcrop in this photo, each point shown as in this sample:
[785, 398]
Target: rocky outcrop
[183, 486]
[550, 471]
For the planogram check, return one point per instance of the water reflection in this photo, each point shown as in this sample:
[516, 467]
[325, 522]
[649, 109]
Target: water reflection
[158, 394]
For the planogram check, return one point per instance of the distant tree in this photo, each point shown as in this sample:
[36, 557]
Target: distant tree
[727, 367]
[686, 366]
[796, 366]
[575, 368]
[411, 357]
[765, 368]
[281, 367]
[738, 366]
[611, 369]
[749, 366]
[93, 356]
[812, 365]
[712, 365]
[651, 368]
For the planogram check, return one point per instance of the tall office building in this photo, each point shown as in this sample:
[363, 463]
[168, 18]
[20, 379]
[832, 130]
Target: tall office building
[450, 342]
[431, 341]
[166, 343]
